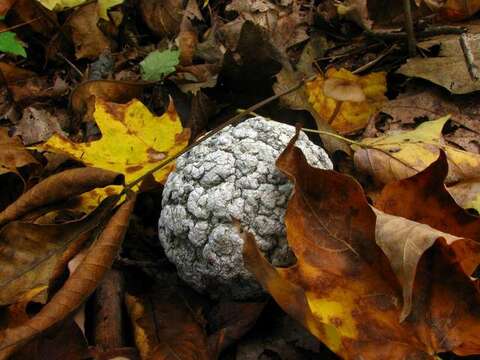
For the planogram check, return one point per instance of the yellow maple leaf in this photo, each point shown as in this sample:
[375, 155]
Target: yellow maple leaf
[133, 142]
[394, 157]
[347, 116]
[59, 5]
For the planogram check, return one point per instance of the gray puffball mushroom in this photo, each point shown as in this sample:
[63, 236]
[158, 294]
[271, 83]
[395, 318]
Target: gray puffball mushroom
[230, 176]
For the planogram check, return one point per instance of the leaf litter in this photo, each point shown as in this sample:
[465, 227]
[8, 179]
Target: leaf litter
[385, 261]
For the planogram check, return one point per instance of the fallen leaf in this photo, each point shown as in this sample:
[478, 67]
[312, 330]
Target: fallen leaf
[448, 68]
[9, 44]
[37, 125]
[78, 286]
[65, 342]
[108, 90]
[133, 140]
[347, 116]
[13, 155]
[431, 103]
[59, 5]
[159, 64]
[393, 157]
[453, 9]
[343, 289]
[230, 321]
[90, 42]
[30, 252]
[168, 325]
[162, 18]
[58, 188]
[467, 194]
[425, 199]
[5, 6]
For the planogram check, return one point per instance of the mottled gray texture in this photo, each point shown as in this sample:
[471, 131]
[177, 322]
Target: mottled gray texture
[231, 175]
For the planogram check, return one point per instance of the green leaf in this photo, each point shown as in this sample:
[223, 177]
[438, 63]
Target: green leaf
[158, 64]
[9, 44]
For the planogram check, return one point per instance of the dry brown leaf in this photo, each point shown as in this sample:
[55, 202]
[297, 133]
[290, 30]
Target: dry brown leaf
[467, 194]
[187, 42]
[57, 188]
[424, 198]
[64, 342]
[90, 42]
[37, 125]
[29, 252]
[13, 154]
[168, 325]
[230, 321]
[405, 242]
[78, 286]
[162, 17]
[110, 90]
[343, 288]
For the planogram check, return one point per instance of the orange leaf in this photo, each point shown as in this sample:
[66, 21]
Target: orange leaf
[343, 288]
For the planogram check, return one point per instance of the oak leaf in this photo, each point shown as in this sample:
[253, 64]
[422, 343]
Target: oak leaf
[343, 288]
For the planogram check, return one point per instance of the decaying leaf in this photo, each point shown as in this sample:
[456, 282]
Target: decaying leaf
[89, 40]
[59, 5]
[424, 198]
[162, 17]
[232, 320]
[453, 9]
[393, 157]
[331, 98]
[13, 154]
[168, 326]
[108, 90]
[133, 140]
[57, 188]
[448, 69]
[467, 194]
[343, 288]
[78, 286]
[30, 252]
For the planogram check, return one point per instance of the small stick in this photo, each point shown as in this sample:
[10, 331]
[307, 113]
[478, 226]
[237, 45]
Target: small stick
[412, 43]
[469, 57]
[108, 312]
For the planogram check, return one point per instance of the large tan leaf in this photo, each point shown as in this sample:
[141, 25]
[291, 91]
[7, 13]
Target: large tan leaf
[343, 288]
[394, 157]
[168, 325]
[78, 286]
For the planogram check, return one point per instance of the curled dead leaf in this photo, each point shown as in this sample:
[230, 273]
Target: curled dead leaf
[78, 286]
[57, 188]
[30, 252]
[343, 288]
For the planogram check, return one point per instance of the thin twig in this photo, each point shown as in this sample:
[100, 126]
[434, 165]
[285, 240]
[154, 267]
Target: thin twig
[407, 13]
[20, 25]
[374, 61]
[469, 57]
[237, 118]
[74, 67]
